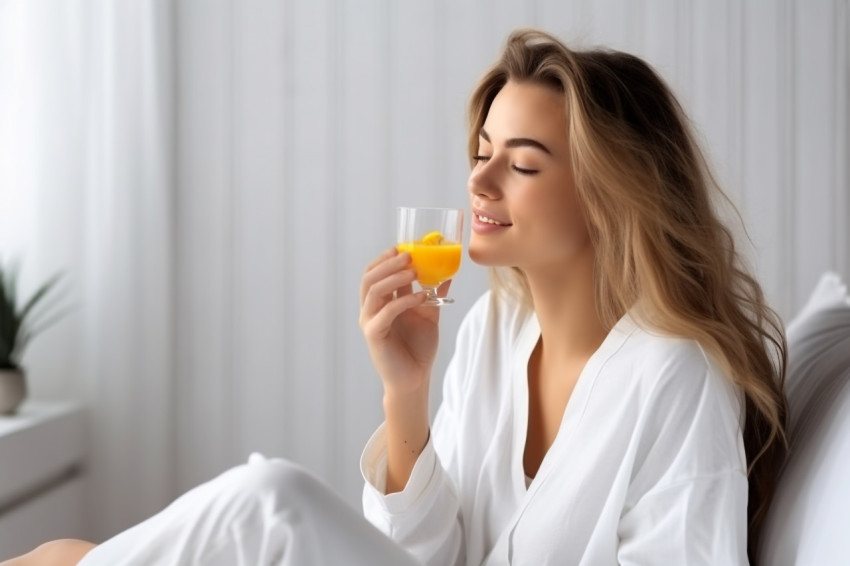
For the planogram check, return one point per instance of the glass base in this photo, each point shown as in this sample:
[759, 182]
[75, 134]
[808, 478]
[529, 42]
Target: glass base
[437, 301]
[432, 300]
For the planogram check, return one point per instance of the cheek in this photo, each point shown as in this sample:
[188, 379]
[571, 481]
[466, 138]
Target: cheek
[564, 224]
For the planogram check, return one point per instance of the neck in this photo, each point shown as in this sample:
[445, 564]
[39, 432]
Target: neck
[565, 305]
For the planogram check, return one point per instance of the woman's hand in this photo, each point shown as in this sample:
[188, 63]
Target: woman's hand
[402, 337]
[401, 334]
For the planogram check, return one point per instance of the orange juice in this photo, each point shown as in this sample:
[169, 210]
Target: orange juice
[433, 263]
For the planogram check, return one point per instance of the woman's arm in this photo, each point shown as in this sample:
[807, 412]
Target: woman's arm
[419, 507]
[407, 434]
[425, 516]
[687, 500]
[699, 521]
[402, 338]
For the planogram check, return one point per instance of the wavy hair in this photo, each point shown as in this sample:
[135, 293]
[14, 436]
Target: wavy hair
[650, 203]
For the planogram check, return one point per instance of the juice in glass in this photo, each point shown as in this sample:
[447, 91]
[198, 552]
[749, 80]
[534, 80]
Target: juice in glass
[432, 262]
[432, 237]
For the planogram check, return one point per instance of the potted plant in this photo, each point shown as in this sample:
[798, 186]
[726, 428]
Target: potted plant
[17, 328]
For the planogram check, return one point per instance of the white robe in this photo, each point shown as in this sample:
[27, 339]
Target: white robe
[648, 466]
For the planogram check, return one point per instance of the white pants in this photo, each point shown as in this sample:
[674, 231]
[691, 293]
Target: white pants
[266, 512]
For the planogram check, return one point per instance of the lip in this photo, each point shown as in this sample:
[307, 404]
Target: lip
[483, 227]
[476, 212]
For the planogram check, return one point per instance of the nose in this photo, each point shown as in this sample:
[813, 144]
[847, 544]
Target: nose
[483, 182]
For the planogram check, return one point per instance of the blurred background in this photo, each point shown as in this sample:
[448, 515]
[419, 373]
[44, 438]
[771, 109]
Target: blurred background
[213, 176]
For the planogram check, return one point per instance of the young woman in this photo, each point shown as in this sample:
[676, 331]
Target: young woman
[616, 398]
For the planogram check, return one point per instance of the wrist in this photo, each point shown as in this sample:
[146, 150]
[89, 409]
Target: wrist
[407, 432]
[406, 405]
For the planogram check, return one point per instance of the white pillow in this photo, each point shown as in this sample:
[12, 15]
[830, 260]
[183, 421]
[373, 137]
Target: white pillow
[808, 520]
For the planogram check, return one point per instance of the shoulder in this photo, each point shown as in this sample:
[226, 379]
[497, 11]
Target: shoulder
[662, 354]
[676, 372]
[687, 414]
[657, 356]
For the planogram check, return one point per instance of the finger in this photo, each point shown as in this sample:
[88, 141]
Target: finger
[382, 270]
[389, 285]
[383, 257]
[381, 292]
[381, 322]
[405, 289]
[443, 289]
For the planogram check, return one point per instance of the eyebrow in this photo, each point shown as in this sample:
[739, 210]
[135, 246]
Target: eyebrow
[517, 142]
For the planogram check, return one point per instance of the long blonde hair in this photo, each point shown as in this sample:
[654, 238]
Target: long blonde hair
[648, 197]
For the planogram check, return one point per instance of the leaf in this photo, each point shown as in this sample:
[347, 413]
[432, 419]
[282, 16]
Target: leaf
[37, 328]
[15, 328]
[11, 286]
[43, 310]
[5, 353]
[11, 325]
[37, 297]
[49, 304]
[7, 319]
[18, 350]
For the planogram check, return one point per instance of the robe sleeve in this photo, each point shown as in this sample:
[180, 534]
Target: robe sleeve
[425, 518]
[691, 522]
[687, 502]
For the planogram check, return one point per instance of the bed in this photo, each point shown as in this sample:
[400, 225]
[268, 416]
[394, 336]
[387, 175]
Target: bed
[808, 521]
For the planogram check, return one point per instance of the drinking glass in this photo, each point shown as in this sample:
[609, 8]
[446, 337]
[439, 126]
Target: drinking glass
[432, 237]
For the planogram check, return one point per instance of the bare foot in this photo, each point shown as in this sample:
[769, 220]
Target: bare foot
[65, 552]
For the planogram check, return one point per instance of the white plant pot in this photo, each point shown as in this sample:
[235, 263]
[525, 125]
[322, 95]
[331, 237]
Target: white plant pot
[13, 390]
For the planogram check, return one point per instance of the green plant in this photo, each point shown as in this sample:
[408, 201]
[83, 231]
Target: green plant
[18, 326]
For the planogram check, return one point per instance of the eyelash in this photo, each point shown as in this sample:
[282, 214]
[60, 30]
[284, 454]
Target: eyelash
[520, 170]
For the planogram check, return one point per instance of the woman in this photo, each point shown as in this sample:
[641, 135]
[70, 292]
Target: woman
[615, 399]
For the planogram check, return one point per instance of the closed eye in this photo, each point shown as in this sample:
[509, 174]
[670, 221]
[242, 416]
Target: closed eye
[520, 170]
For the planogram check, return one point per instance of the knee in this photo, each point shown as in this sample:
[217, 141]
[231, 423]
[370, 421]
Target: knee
[63, 552]
[274, 482]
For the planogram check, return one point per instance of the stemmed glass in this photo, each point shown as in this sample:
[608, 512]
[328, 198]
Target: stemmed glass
[432, 237]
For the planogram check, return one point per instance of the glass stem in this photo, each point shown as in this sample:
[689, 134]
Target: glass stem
[430, 292]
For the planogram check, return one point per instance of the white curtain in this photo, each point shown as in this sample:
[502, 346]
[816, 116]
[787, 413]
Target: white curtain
[86, 187]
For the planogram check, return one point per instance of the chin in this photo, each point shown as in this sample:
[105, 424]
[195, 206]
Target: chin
[486, 256]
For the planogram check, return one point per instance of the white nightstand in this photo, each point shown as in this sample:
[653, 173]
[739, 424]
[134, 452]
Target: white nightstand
[42, 450]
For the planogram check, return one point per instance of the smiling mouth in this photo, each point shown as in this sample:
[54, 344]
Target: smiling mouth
[490, 221]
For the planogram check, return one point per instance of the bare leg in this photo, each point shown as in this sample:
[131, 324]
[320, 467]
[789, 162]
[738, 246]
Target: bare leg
[65, 552]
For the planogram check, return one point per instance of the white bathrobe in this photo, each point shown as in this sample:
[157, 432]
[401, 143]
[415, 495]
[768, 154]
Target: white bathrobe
[648, 466]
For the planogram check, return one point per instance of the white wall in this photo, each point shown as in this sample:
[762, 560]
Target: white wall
[301, 124]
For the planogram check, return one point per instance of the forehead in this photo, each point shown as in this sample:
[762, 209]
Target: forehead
[527, 110]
